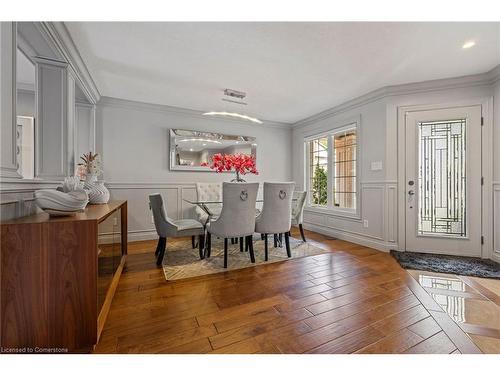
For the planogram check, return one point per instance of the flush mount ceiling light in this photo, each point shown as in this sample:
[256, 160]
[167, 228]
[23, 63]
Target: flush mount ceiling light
[233, 114]
[468, 44]
[198, 140]
[237, 98]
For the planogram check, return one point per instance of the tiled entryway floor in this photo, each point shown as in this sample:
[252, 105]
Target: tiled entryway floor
[472, 302]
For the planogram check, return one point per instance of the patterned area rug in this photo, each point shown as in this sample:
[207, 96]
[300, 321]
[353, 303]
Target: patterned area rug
[465, 266]
[181, 261]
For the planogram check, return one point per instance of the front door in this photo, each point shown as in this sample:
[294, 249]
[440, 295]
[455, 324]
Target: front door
[443, 181]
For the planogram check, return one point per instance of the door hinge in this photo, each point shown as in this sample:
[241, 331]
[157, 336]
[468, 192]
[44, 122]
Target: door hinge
[482, 180]
[482, 120]
[482, 240]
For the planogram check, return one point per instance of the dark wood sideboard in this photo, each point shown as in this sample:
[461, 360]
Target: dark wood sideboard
[58, 277]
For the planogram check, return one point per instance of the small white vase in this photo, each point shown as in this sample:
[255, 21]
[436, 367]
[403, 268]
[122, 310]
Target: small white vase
[90, 180]
[99, 194]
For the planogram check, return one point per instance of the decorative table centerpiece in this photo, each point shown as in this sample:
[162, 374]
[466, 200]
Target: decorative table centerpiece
[88, 170]
[241, 164]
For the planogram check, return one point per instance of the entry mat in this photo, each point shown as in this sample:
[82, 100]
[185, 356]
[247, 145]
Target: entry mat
[465, 266]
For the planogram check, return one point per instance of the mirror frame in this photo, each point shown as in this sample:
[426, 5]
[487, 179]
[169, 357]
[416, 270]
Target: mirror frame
[174, 167]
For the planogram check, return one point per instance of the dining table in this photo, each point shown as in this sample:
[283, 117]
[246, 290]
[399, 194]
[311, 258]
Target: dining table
[204, 205]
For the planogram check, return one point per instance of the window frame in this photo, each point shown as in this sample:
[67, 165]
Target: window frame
[330, 208]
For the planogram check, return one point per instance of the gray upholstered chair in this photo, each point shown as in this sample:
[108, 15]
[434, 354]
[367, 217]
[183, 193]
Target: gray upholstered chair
[298, 210]
[165, 227]
[208, 192]
[276, 213]
[237, 218]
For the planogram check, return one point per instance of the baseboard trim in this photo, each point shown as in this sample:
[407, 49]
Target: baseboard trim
[147, 234]
[354, 238]
[133, 236]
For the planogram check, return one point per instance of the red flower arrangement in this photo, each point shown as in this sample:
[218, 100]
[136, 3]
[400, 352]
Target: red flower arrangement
[239, 163]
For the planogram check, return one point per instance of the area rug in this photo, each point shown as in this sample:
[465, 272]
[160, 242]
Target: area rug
[465, 266]
[181, 261]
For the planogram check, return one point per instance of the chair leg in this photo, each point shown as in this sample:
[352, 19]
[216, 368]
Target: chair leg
[250, 248]
[262, 236]
[275, 240]
[302, 233]
[265, 248]
[193, 242]
[287, 245]
[158, 246]
[163, 248]
[209, 244]
[247, 243]
[201, 241]
[225, 252]
[241, 243]
[280, 240]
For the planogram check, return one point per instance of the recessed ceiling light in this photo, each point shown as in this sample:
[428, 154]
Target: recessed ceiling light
[469, 44]
[231, 114]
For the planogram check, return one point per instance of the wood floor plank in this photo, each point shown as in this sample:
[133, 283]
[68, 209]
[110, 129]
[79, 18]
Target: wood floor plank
[239, 311]
[425, 328]
[455, 333]
[396, 343]
[252, 330]
[439, 344]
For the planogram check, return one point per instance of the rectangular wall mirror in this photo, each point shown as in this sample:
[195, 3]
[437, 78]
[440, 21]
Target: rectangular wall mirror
[189, 149]
[26, 110]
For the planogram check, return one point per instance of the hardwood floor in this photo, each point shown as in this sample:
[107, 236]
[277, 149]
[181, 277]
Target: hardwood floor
[351, 300]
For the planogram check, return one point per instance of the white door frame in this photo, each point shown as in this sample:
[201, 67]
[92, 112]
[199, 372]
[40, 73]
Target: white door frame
[487, 166]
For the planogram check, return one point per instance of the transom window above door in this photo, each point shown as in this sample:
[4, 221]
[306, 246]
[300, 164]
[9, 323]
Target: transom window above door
[331, 169]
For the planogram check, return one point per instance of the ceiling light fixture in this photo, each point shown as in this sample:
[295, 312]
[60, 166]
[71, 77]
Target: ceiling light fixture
[468, 44]
[199, 140]
[233, 114]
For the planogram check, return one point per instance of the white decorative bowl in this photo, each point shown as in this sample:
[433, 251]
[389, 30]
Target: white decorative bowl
[57, 203]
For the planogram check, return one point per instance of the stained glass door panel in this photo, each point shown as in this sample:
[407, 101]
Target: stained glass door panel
[442, 188]
[443, 181]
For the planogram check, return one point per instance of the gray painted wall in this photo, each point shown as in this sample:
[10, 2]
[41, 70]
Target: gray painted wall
[133, 139]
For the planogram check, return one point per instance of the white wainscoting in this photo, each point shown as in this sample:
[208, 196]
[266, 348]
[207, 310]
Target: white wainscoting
[496, 221]
[17, 199]
[378, 206]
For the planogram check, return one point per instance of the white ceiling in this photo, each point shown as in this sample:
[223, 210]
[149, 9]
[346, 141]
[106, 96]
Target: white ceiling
[289, 70]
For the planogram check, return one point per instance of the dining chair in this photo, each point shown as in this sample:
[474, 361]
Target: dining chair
[208, 192]
[166, 227]
[237, 218]
[276, 213]
[298, 211]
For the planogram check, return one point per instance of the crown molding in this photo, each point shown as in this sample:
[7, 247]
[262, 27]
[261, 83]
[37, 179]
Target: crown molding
[61, 37]
[482, 79]
[162, 108]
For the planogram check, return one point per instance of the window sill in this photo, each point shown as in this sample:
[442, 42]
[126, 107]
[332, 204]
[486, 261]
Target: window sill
[343, 214]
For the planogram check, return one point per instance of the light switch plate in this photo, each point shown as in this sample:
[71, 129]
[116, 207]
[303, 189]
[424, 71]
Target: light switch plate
[376, 166]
